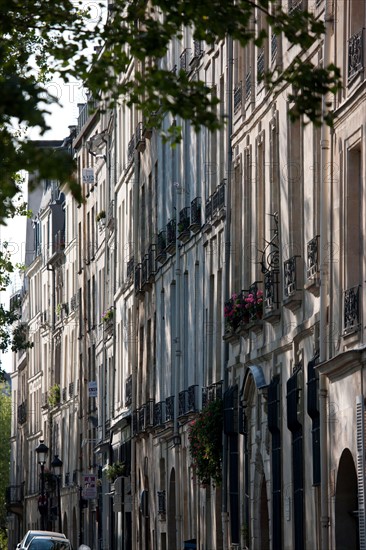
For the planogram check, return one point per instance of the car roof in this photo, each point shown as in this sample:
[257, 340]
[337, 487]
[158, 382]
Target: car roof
[38, 533]
[66, 544]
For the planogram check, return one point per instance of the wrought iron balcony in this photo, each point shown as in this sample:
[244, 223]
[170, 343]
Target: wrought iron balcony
[140, 141]
[355, 54]
[352, 309]
[238, 92]
[151, 262]
[141, 418]
[271, 294]
[145, 271]
[274, 47]
[248, 85]
[212, 392]
[184, 60]
[182, 403]
[170, 236]
[161, 247]
[159, 413]
[130, 151]
[67, 479]
[197, 48]
[183, 225]
[208, 210]
[149, 413]
[64, 394]
[128, 391]
[138, 279]
[260, 65]
[295, 5]
[169, 411]
[130, 268]
[71, 389]
[161, 502]
[289, 272]
[196, 215]
[22, 412]
[135, 422]
[312, 257]
[74, 302]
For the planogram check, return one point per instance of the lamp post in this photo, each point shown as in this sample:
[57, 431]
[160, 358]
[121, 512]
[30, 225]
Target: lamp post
[57, 466]
[42, 451]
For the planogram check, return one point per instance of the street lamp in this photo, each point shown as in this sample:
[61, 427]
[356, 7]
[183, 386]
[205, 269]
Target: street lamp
[42, 451]
[57, 466]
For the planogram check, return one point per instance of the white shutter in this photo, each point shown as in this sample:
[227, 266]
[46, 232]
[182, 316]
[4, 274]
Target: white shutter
[360, 423]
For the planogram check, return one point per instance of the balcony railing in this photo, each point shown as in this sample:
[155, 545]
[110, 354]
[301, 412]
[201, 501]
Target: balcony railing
[212, 392]
[355, 54]
[183, 224]
[295, 5]
[161, 502]
[197, 48]
[289, 275]
[130, 151]
[196, 215]
[312, 257]
[161, 246]
[274, 47]
[128, 390]
[140, 141]
[237, 97]
[271, 284]
[169, 411]
[159, 413]
[351, 309]
[138, 278]
[170, 236]
[248, 85]
[129, 268]
[184, 60]
[187, 400]
[14, 495]
[151, 261]
[208, 209]
[260, 65]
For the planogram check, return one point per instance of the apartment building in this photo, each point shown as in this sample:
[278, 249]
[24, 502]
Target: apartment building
[230, 267]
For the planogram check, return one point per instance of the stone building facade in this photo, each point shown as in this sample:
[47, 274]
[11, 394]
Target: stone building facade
[230, 267]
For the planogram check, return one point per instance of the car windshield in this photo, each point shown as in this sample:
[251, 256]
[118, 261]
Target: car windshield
[47, 544]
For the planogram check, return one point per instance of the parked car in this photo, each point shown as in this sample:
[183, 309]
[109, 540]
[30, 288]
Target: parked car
[32, 533]
[49, 543]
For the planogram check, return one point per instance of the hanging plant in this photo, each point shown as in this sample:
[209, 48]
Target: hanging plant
[117, 469]
[205, 439]
[54, 395]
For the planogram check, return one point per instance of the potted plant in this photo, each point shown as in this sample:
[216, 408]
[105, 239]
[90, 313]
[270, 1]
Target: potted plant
[205, 442]
[108, 315]
[254, 304]
[235, 311]
[117, 469]
[54, 395]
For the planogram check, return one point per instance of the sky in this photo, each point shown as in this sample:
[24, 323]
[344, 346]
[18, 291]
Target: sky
[62, 115]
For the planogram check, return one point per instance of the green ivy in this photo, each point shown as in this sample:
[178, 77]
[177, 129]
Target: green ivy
[205, 439]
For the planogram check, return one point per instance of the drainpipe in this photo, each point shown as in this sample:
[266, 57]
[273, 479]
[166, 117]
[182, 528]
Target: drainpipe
[324, 286]
[226, 282]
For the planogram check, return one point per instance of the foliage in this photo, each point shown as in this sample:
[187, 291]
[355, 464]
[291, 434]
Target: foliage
[54, 395]
[100, 216]
[5, 426]
[235, 310]
[3, 540]
[205, 439]
[144, 31]
[20, 338]
[108, 315]
[117, 469]
[39, 39]
[254, 302]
